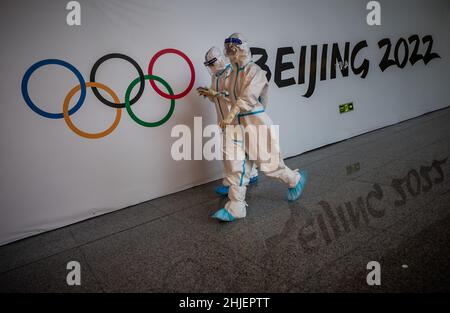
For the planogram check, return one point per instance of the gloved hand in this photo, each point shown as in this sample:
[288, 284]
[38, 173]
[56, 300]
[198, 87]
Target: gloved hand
[207, 92]
[223, 124]
[229, 118]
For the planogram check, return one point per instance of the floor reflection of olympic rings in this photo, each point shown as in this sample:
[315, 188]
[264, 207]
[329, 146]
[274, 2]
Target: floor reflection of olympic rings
[116, 102]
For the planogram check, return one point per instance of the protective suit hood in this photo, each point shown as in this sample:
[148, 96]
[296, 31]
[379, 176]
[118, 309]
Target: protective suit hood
[215, 61]
[237, 49]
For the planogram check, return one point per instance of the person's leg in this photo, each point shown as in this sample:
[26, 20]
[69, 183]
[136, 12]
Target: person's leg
[223, 189]
[263, 146]
[280, 171]
[253, 174]
[236, 205]
[276, 168]
[238, 177]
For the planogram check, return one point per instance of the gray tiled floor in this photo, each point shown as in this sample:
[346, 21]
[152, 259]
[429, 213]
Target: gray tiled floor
[352, 212]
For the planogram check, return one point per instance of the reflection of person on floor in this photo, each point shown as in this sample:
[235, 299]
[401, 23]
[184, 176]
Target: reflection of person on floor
[247, 89]
[220, 72]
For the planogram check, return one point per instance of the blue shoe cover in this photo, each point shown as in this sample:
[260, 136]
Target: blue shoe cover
[222, 190]
[253, 180]
[223, 215]
[295, 193]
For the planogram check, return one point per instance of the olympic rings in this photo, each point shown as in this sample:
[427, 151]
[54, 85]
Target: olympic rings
[116, 104]
[131, 113]
[118, 56]
[77, 130]
[191, 67]
[30, 103]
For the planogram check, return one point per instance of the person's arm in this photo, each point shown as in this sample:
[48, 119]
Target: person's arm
[253, 84]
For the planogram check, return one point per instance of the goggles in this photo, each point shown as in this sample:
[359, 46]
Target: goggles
[235, 41]
[210, 62]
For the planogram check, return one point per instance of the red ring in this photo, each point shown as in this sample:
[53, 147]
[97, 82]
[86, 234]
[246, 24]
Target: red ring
[191, 67]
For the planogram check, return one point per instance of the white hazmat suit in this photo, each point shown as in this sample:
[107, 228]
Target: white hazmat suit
[247, 88]
[217, 93]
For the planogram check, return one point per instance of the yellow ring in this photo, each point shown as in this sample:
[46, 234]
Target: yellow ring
[77, 130]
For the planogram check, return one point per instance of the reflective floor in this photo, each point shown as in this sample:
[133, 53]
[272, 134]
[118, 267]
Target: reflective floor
[383, 196]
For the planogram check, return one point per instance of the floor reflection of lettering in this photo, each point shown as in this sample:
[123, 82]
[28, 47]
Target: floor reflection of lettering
[303, 227]
[331, 223]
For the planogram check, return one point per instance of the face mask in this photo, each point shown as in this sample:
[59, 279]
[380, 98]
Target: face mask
[232, 46]
[231, 50]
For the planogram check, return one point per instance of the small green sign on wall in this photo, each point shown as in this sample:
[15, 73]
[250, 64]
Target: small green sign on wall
[346, 107]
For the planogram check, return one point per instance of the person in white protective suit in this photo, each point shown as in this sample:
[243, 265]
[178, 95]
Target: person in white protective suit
[220, 71]
[247, 89]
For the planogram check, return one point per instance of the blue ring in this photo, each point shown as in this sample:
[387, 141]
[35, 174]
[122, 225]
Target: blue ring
[37, 65]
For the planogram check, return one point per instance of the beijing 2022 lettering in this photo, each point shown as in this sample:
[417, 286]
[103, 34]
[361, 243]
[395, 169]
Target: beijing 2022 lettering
[414, 49]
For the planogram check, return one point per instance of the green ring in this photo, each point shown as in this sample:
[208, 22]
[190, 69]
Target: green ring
[128, 105]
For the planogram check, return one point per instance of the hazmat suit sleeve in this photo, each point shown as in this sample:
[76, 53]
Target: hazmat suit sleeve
[253, 83]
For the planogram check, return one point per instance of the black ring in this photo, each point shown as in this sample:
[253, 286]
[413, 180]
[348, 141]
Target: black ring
[126, 58]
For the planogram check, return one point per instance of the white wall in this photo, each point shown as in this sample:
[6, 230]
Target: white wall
[51, 177]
